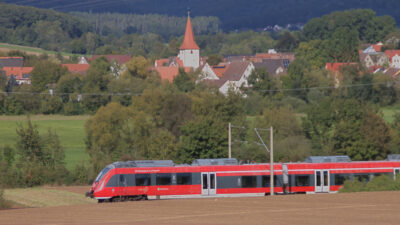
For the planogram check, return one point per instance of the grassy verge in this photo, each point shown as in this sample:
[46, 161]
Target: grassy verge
[43, 197]
[70, 130]
[380, 183]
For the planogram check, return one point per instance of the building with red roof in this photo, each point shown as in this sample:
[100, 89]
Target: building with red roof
[394, 58]
[22, 74]
[189, 51]
[77, 68]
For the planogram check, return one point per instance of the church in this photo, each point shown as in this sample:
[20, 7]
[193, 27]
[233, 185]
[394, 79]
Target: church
[225, 76]
[187, 59]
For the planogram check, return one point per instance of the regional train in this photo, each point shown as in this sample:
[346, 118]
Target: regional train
[162, 179]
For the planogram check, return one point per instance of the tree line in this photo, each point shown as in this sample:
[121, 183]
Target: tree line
[257, 14]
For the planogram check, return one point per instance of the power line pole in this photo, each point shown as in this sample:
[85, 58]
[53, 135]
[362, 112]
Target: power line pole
[229, 141]
[271, 161]
[271, 155]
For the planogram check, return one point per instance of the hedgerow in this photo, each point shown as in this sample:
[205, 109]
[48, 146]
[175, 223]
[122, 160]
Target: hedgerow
[379, 183]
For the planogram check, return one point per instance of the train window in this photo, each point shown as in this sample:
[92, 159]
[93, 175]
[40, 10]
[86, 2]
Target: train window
[130, 179]
[102, 173]
[163, 179]
[184, 178]
[122, 180]
[302, 180]
[142, 179]
[340, 178]
[265, 181]
[113, 182]
[249, 181]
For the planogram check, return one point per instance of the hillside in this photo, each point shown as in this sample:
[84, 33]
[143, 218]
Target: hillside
[234, 14]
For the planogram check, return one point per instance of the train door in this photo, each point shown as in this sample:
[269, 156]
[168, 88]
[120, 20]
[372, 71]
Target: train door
[396, 172]
[122, 185]
[322, 181]
[208, 184]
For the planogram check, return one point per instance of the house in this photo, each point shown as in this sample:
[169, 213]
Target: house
[373, 59]
[77, 68]
[169, 73]
[259, 57]
[274, 67]
[83, 60]
[11, 62]
[213, 72]
[394, 58]
[235, 76]
[21, 74]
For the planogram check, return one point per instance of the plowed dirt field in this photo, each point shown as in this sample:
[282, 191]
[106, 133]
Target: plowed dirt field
[351, 208]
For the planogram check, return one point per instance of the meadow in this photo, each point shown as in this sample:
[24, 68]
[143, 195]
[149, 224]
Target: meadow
[70, 130]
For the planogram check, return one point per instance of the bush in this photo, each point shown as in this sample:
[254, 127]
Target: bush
[380, 183]
[3, 203]
[81, 175]
[73, 108]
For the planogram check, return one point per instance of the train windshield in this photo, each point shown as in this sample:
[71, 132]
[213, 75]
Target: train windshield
[102, 173]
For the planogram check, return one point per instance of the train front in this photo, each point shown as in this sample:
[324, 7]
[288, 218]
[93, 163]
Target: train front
[98, 183]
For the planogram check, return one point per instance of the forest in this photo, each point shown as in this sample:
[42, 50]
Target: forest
[234, 14]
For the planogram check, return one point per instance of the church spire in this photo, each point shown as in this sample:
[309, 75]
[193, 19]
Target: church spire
[188, 40]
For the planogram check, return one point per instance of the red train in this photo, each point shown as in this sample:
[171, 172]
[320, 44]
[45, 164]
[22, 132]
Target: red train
[135, 180]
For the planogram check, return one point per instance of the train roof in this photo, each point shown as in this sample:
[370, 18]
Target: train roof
[233, 161]
[170, 163]
[327, 159]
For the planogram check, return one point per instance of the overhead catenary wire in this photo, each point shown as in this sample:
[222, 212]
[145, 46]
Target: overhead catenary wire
[326, 87]
[267, 90]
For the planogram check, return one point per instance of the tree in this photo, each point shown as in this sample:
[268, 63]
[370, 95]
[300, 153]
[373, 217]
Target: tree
[260, 81]
[347, 127]
[288, 134]
[45, 73]
[137, 67]
[41, 158]
[384, 90]
[167, 107]
[203, 138]
[184, 81]
[370, 28]
[68, 84]
[105, 132]
[287, 43]
[343, 45]
[96, 84]
[297, 79]
[214, 59]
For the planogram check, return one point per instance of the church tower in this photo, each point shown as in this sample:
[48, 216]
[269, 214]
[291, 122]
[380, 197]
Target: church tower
[189, 52]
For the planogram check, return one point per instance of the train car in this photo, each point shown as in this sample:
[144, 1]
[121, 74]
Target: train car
[162, 179]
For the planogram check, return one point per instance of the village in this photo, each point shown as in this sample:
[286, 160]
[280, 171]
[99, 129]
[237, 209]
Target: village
[230, 74]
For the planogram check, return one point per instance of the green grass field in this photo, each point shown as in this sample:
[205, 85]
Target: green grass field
[70, 130]
[33, 50]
